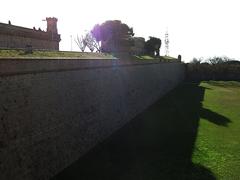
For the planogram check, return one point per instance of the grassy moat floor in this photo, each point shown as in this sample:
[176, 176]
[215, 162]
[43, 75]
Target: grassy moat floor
[192, 133]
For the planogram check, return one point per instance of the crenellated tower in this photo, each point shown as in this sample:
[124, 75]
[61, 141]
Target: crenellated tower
[52, 25]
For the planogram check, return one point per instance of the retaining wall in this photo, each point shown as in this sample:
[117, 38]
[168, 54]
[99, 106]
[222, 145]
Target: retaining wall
[54, 111]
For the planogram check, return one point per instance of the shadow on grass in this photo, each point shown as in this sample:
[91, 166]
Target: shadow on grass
[157, 144]
[214, 117]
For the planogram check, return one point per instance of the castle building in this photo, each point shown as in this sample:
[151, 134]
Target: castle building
[16, 37]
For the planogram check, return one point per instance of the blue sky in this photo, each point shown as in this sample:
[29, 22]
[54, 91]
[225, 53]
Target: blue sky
[197, 28]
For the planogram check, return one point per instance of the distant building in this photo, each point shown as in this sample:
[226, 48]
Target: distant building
[126, 45]
[20, 37]
[138, 47]
[121, 45]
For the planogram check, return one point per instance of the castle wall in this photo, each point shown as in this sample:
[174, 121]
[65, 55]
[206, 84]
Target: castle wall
[8, 41]
[53, 111]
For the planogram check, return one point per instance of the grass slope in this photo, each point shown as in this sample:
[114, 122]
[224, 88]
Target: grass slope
[192, 133]
[11, 53]
[53, 54]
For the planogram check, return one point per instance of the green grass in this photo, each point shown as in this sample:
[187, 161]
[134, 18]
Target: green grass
[168, 58]
[53, 54]
[11, 53]
[218, 147]
[162, 58]
[145, 57]
[192, 133]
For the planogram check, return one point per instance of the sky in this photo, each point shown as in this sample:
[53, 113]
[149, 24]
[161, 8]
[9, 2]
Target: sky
[197, 28]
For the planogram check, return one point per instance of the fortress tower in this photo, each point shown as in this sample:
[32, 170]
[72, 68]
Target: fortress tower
[52, 25]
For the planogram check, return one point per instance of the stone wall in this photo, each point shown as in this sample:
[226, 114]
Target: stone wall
[54, 111]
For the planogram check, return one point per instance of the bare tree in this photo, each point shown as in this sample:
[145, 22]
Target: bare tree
[92, 43]
[218, 60]
[89, 41]
[81, 43]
